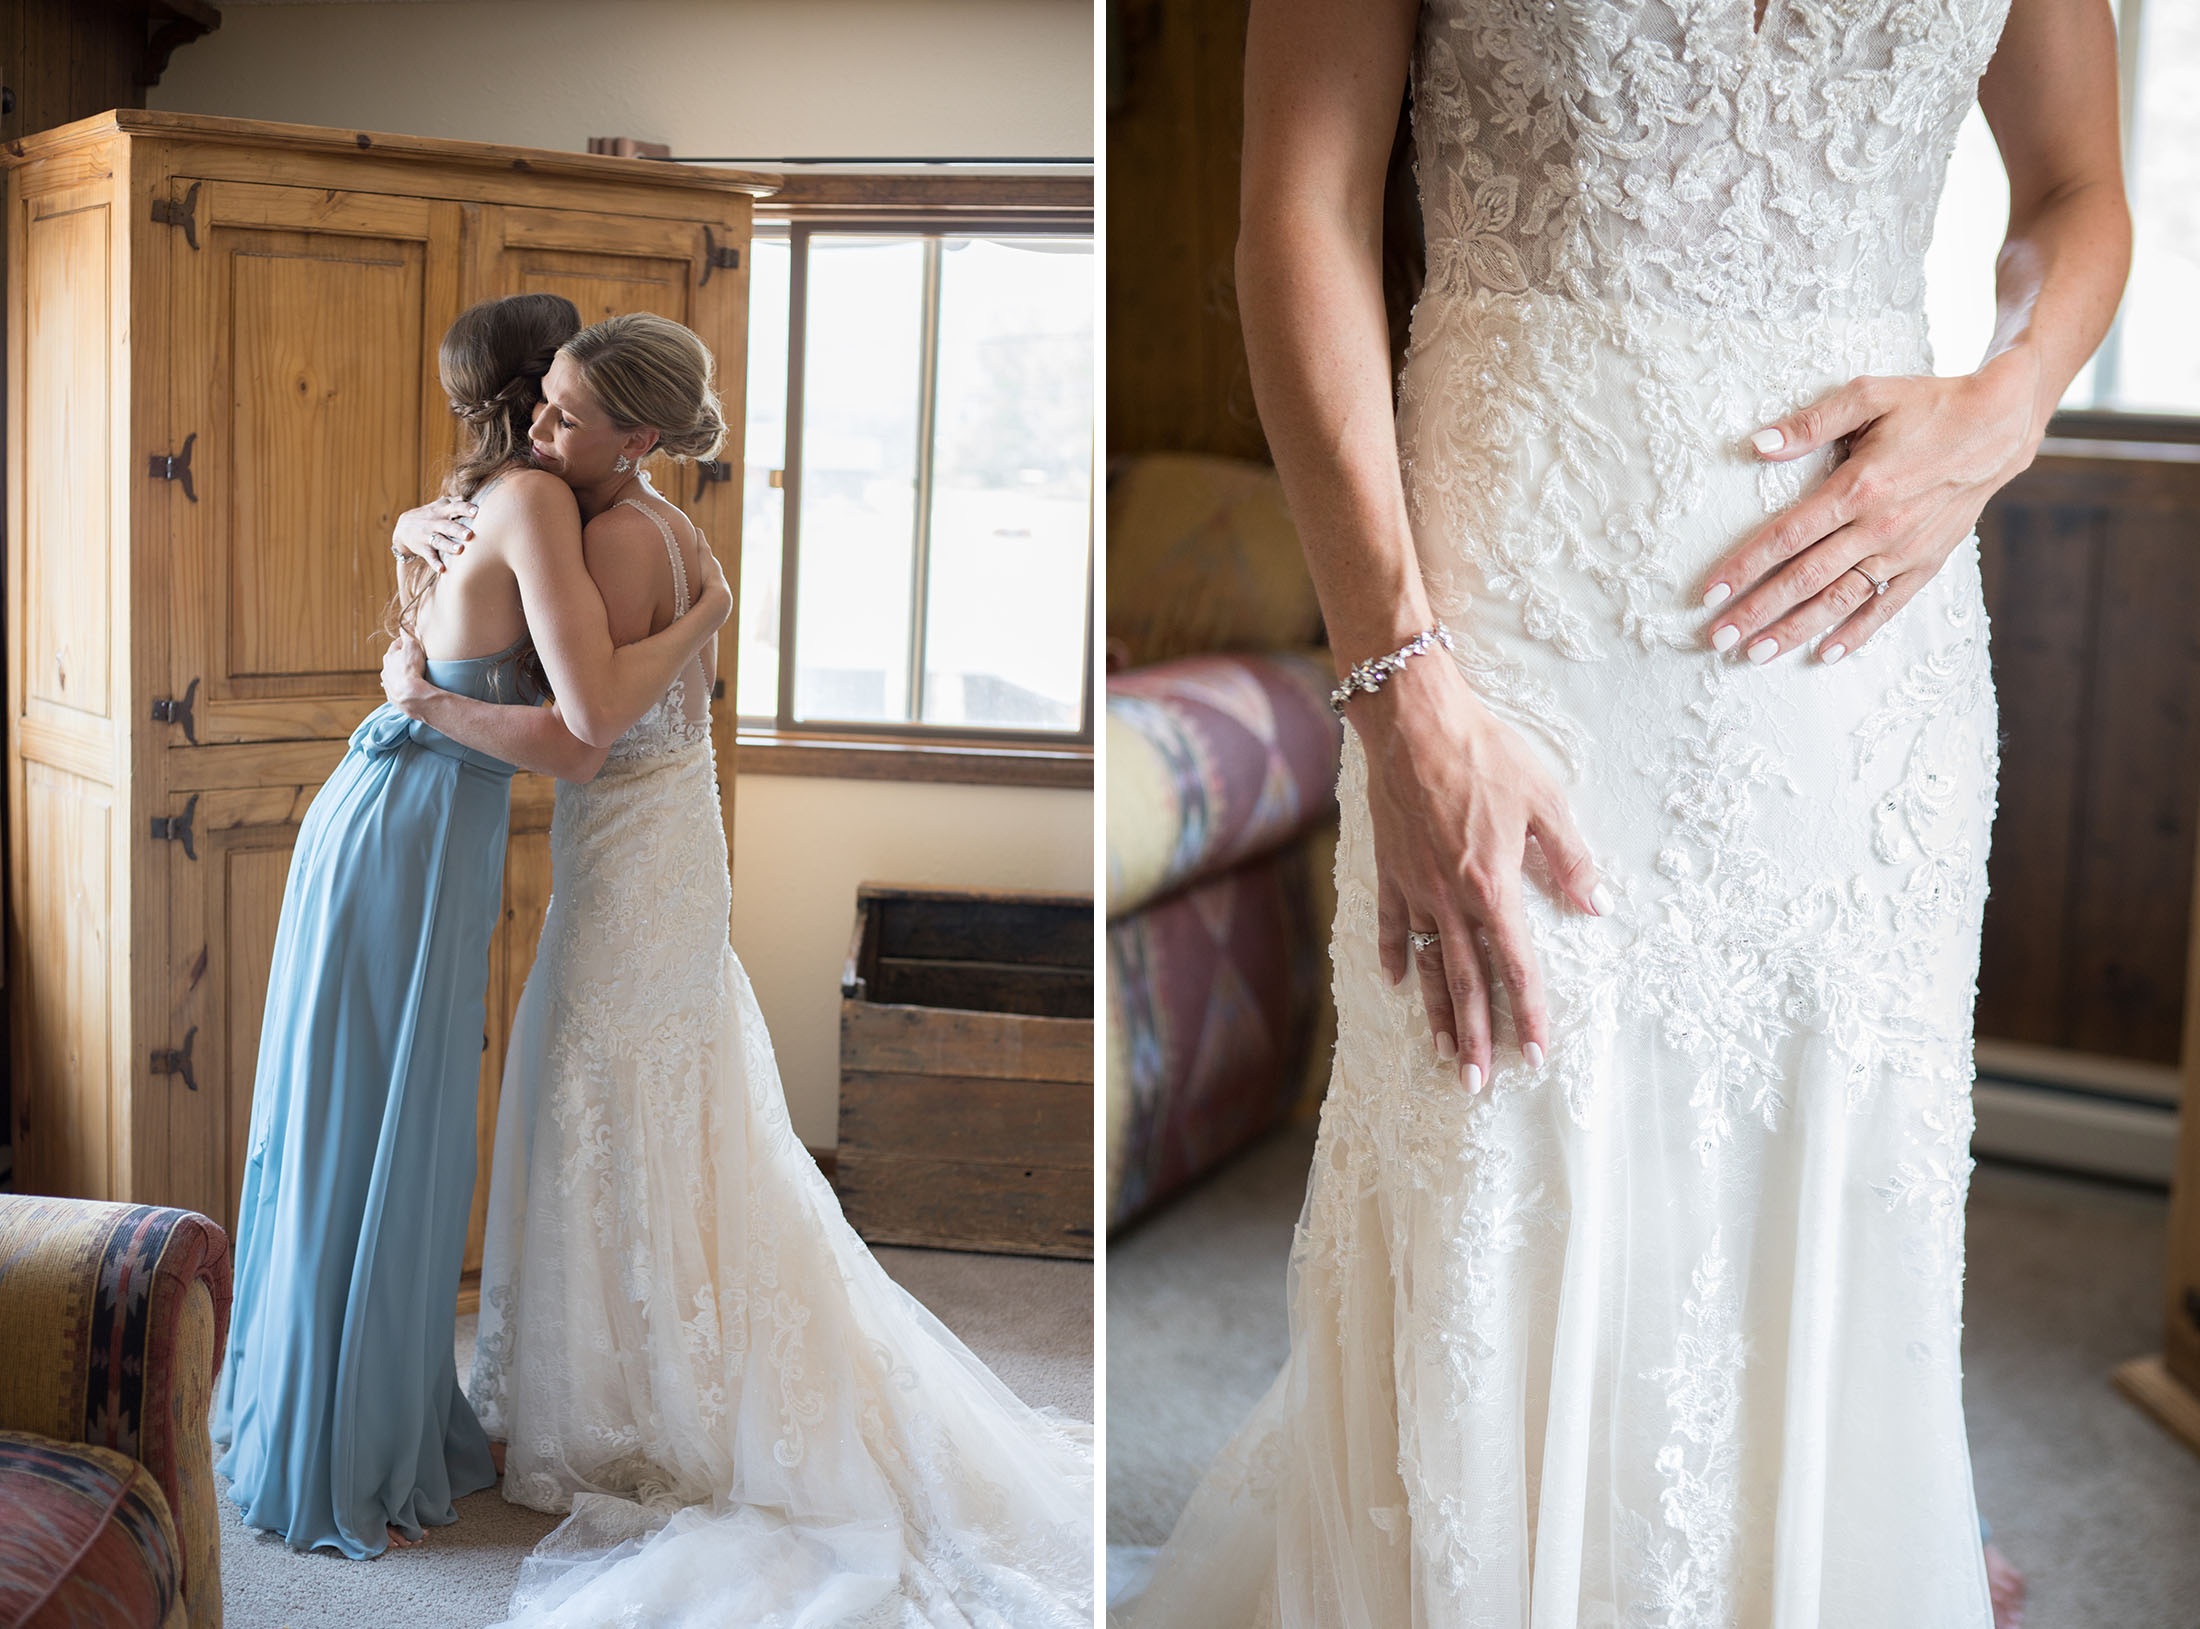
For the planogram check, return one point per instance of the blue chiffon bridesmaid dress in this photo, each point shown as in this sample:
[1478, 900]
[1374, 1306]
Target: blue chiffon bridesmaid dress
[339, 1399]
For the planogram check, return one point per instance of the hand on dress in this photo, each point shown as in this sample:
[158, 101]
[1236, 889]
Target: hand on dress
[405, 675]
[1924, 456]
[1453, 797]
[436, 533]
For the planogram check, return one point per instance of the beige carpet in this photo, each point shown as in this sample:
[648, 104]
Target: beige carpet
[1030, 1320]
[2098, 1506]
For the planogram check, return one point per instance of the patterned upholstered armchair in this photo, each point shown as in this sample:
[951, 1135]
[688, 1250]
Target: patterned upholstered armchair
[112, 1320]
[1221, 817]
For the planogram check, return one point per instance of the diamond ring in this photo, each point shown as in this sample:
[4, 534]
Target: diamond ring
[1424, 941]
[1879, 584]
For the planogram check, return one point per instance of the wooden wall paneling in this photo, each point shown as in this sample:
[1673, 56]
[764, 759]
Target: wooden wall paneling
[2041, 571]
[1177, 377]
[2133, 864]
[2093, 589]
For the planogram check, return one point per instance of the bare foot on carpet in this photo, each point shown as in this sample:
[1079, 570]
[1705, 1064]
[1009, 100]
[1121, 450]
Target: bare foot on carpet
[496, 1455]
[399, 1541]
[2006, 1585]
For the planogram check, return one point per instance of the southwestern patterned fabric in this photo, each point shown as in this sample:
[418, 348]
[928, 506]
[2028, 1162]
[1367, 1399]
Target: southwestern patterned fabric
[112, 1319]
[1213, 760]
[1214, 997]
[85, 1540]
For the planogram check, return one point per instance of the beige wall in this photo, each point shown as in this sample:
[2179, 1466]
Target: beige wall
[713, 78]
[790, 78]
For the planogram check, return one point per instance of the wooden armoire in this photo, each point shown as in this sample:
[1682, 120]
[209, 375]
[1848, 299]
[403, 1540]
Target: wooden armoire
[221, 393]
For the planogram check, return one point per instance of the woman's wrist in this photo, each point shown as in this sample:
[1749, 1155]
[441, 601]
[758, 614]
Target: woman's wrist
[2015, 389]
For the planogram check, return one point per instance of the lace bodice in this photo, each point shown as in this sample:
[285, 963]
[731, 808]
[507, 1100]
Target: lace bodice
[1663, 153]
[681, 717]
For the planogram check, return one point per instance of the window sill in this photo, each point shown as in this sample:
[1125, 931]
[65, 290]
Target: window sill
[897, 758]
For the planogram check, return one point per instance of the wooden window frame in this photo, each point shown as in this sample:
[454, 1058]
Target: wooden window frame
[927, 206]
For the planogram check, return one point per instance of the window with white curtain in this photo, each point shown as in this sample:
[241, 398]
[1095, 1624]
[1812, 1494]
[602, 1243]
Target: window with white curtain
[918, 519]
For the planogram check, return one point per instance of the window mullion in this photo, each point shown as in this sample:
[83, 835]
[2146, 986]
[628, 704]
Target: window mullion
[790, 481]
[920, 552]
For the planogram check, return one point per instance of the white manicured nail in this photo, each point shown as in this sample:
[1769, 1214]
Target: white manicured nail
[1446, 1048]
[1600, 900]
[1764, 651]
[1832, 653]
[1726, 637]
[1474, 1078]
[1534, 1055]
[1716, 594]
[1769, 439]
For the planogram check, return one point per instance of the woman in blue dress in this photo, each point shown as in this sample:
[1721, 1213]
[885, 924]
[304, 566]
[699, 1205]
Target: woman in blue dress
[338, 1399]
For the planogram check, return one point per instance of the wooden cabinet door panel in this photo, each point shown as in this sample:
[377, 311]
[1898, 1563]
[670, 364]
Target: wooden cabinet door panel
[305, 331]
[223, 909]
[511, 958]
[67, 254]
[65, 1084]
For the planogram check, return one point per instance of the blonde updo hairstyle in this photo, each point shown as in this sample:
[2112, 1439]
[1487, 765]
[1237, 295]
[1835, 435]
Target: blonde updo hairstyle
[648, 373]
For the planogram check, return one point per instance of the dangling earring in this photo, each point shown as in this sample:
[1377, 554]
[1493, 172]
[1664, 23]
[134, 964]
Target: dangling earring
[623, 465]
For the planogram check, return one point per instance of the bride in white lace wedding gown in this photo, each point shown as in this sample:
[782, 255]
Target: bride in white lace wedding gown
[682, 1340]
[1664, 1328]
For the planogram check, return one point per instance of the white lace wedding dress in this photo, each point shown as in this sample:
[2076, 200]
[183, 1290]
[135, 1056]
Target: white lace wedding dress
[682, 1341]
[1666, 1333]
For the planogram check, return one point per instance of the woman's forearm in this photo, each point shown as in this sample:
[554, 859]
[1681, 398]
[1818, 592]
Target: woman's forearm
[2057, 279]
[2049, 97]
[533, 738]
[1310, 297]
[607, 702]
[1322, 88]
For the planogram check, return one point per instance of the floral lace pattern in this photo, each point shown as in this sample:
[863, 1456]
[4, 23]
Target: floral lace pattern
[686, 1347]
[1664, 1333]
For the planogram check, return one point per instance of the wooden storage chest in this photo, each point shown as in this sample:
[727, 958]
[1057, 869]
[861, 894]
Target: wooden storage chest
[966, 1071]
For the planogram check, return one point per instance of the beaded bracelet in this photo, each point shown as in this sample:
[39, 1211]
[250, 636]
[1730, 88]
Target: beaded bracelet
[1369, 676]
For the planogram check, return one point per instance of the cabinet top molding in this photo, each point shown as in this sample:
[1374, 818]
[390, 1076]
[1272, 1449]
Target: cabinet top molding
[312, 138]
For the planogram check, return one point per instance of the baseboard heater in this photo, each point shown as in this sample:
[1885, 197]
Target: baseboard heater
[2076, 1111]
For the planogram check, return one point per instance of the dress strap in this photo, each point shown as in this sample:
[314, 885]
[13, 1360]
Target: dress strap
[672, 552]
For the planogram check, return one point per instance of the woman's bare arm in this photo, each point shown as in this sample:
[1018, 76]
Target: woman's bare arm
[1927, 453]
[534, 738]
[602, 688]
[1453, 794]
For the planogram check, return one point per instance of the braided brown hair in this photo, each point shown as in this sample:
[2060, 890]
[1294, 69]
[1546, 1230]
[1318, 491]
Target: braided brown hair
[492, 360]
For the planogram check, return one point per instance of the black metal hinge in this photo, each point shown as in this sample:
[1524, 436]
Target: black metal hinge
[708, 470]
[183, 213]
[717, 257]
[176, 466]
[177, 828]
[171, 710]
[177, 1060]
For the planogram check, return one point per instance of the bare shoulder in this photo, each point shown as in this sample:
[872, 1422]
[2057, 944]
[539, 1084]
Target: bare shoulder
[528, 495]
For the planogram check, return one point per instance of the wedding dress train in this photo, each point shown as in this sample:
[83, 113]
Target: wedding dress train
[682, 1341]
[1666, 1332]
